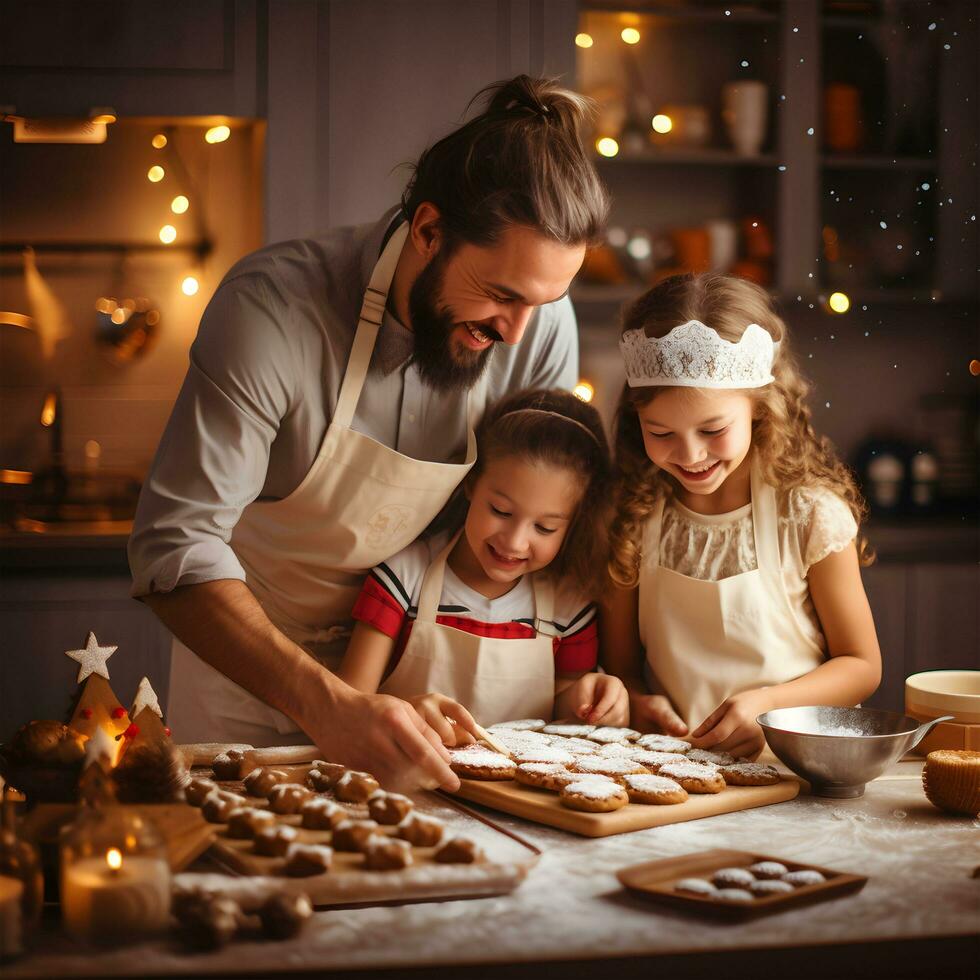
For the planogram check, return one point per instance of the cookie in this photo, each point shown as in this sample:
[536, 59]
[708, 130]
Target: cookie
[218, 805]
[608, 734]
[547, 753]
[197, 790]
[656, 790]
[733, 895]
[481, 765]
[228, 765]
[324, 775]
[322, 814]
[694, 777]
[288, 797]
[421, 830]
[595, 794]
[577, 746]
[732, 878]
[749, 774]
[652, 761]
[544, 775]
[353, 835]
[616, 769]
[305, 860]
[388, 808]
[768, 888]
[458, 850]
[706, 757]
[803, 877]
[244, 822]
[695, 886]
[622, 750]
[259, 782]
[274, 841]
[521, 725]
[768, 869]
[355, 787]
[664, 743]
[569, 731]
[387, 853]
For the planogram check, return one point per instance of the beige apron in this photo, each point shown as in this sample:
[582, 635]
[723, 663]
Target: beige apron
[706, 641]
[305, 556]
[495, 679]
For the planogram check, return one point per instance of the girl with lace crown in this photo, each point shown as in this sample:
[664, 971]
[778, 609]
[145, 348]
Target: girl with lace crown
[734, 546]
[496, 621]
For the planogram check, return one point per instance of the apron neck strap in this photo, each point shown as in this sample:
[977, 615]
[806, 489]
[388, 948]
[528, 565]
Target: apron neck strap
[765, 523]
[650, 543]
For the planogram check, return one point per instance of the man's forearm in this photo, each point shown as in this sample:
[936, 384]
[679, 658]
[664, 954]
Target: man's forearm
[223, 623]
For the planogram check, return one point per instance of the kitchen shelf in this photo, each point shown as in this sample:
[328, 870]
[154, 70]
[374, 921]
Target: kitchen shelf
[696, 157]
[692, 15]
[879, 161]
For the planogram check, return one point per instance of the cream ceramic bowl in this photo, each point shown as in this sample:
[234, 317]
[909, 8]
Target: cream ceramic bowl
[934, 693]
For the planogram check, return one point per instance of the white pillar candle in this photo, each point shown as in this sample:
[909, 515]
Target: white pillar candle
[102, 903]
[11, 893]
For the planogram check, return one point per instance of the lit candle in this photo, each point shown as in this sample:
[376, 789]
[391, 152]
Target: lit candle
[114, 898]
[11, 891]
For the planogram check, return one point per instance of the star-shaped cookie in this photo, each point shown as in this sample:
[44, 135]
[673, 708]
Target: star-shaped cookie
[92, 659]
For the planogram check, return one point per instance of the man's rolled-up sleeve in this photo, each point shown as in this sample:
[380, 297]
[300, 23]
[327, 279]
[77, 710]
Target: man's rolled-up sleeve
[214, 453]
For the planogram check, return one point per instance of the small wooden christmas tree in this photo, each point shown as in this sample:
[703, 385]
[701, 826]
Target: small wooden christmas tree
[97, 706]
[146, 726]
[150, 769]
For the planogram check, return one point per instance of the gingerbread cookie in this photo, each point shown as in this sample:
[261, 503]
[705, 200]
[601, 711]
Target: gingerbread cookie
[259, 782]
[353, 835]
[694, 777]
[288, 797]
[652, 761]
[656, 790]
[577, 746]
[664, 743]
[749, 774]
[616, 769]
[595, 794]
[608, 734]
[707, 757]
[274, 841]
[228, 765]
[544, 775]
[481, 765]
[458, 850]
[218, 805]
[421, 830]
[547, 753]
[197, 790]
[387, 853]
[324, 775]
[305, 860]
[388, 808]
[355, 787]
[569, 731]
[244, 822]
[321, 814]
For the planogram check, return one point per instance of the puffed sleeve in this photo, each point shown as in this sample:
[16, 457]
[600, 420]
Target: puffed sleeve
[823, 521]
[214, 453]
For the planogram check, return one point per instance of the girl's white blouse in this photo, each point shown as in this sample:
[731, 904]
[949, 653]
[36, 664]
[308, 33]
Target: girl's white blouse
[813, 523]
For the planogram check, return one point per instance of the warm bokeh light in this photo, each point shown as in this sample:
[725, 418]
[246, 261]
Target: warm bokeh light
[104, 117]
[584, 391]
[92, 450]
[607, 146]
[974, 367]
[159, 141]
[630, 35]
[48, 410]
[662, 123]
[168, 234]
[584, 40]
[155, 174]
[217, 134]
[839, 302]
[179, 204]
[119, 315]
[189, 286]
[113, 858]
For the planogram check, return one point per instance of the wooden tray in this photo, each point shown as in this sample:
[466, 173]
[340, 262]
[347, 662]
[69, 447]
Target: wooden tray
[509, 858]
[655, 880]
[543, 806]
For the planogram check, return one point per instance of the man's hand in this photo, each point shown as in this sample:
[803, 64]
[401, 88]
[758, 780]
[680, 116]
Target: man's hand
[385, 736]
[598, 699]
[732, 726]
[449, 719]
[655, 713]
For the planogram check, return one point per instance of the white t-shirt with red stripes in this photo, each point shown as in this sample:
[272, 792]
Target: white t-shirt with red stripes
[390, 595]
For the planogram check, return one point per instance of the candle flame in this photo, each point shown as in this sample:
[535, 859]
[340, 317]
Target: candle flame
[113, 858]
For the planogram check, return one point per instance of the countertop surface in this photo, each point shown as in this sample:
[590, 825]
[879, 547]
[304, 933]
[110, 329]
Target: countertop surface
[571, 908]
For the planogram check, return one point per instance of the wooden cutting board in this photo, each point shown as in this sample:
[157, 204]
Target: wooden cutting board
[542, 806]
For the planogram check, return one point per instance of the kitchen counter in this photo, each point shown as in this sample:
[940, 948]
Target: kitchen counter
[918, 913]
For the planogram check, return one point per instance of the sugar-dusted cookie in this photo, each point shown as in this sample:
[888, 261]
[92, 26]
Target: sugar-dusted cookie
[421, 830]
[355, 787]
[577, 746]
[732, 878]
[616, 769]
[749, 774]
[622, 750]
[196, 791]
[458, 850]
[663, 743]
[305, 860]
[695, 886]
[228, 765]
[521, 725]
[805, 876]
[274, 841]
[244, 822]
[388, 808]
[353, 835]
[609, 734]
[768, 869]
[319, 813]
[547, 753]
[481, 765]
[569, 730]
[545, 775]
[768, 887]
[593, 794]
[652, 761]
[657, 790]
[218, 805]
[694, 777]
[733, 895]
[288, 797]
[324, 775]
[707, 757]
[387, 853]
[259, 782]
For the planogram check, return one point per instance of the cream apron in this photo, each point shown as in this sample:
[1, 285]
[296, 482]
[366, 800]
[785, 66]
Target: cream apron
[496, 679]
[706, 641]
[305, 556]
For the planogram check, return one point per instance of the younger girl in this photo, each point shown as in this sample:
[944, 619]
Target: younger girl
[735, 537]
[496, 619]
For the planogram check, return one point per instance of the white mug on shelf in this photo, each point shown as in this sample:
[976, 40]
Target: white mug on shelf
[723, 236]
[745, 109]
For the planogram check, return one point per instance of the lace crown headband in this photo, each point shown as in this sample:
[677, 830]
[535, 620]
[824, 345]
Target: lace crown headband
[557, 415]
[694, 355]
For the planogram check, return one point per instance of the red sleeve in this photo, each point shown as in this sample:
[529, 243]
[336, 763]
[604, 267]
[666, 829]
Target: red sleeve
[578, 652]
[377, 607]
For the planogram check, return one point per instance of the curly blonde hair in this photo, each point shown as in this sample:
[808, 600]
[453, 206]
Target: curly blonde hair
[790, 452]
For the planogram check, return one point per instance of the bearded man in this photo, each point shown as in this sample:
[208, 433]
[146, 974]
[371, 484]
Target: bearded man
[327, 416]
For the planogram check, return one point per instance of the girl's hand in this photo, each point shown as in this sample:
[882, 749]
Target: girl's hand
[452, 722]
[732, 726]
[599, 699]
[655, 713]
